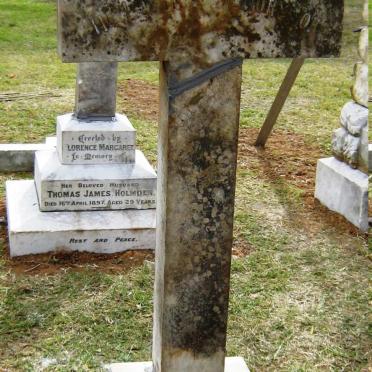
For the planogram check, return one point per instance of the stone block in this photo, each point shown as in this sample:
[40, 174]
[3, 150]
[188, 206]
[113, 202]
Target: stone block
[19, 157]
[370, 158]
[343, 190]
[96, 90]
[94, 187]
[354, 118]
[95, 141]
[346, 146]
[35, 232]
[235, 364]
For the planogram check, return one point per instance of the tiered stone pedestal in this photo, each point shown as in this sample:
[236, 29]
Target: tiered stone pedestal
[95, 192]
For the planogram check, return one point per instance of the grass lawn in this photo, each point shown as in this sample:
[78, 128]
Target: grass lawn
[300, 299]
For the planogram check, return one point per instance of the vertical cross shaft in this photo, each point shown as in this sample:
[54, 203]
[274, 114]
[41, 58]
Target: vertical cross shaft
[96, 90]
[198, 137]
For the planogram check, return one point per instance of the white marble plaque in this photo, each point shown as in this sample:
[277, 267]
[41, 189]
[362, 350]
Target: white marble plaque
[94, 187]
[35, 232]
[95, 142]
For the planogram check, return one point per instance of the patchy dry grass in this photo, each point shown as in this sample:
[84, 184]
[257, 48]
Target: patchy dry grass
[300, 299]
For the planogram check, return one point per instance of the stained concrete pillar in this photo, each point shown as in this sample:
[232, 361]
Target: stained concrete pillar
[96, 90]
[198, 141]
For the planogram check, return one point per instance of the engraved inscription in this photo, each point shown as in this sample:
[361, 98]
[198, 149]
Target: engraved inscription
[92, 195]
[97, 148]
[117, 239]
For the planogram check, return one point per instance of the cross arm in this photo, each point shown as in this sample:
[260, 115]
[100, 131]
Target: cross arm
[203, 31]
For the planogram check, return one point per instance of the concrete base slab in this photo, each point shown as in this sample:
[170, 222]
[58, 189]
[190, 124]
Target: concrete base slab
[34, 232]
[20, 157]
[343, 190]
[94, 187]
[235, 364]
[95, 141]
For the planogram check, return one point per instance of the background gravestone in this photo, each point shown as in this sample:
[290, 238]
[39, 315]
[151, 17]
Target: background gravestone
[94, 167]
[201, 45]
[342, 180]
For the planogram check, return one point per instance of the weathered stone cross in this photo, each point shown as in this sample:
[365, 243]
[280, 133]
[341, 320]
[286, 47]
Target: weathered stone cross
[201, 45]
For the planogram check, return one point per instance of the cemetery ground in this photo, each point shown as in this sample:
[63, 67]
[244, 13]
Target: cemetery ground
[299, 299]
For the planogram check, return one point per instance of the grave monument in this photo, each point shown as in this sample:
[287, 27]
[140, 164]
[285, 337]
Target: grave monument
[342, 180]
[92, 192]
[200, 46]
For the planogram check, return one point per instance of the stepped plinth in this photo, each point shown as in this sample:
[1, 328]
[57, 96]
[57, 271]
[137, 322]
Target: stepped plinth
[95, 191]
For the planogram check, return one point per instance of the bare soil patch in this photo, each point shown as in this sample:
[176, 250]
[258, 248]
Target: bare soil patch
[140, 98]
[53, 263]
[288, 157]
[241, 248]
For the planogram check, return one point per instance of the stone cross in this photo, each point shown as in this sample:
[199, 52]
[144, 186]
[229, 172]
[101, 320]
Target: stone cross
[200, 46]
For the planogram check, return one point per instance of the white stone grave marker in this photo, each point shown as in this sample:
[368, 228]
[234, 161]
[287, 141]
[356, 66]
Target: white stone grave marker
[93, 190]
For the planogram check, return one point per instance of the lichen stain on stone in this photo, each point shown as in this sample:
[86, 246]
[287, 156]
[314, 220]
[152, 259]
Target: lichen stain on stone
[206, 30]
[202, 155]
